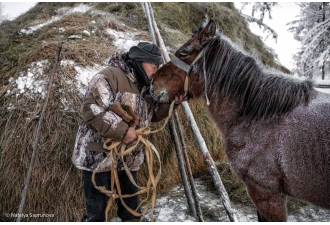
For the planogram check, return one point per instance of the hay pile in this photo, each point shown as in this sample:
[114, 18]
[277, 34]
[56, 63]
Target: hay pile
[25, 60]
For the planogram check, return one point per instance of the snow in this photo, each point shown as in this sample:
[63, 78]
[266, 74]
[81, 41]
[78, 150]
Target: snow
[82, 8]
[322, 82]
[324, 90]
[29, 83]
[173, 207]
[84, 75]
[74, 37]
[87, 33]
[33, 82]
[124, 40]
[64, 63]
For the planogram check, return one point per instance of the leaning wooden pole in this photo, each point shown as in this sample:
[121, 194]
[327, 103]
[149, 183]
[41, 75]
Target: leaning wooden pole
[189, 172]
[36, 140]
[181, 167]
[171, 124]
[210, 163]
[200, 140]
[149, 19]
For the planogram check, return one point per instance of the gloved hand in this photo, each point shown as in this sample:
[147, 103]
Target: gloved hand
[126, 113]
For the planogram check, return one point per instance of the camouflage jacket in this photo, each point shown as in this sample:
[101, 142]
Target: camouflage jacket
[116, 83]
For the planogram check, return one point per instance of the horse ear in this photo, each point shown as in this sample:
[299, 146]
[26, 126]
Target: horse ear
[208, 32]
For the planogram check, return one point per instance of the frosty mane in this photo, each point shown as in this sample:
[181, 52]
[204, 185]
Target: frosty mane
[259, 94]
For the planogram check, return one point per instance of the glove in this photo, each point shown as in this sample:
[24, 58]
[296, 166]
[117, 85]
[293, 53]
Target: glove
[126, 113]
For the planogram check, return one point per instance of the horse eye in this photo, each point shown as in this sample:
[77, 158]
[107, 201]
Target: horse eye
[182, 54]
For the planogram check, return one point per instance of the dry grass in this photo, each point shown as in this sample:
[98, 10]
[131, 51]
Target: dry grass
[56, 185]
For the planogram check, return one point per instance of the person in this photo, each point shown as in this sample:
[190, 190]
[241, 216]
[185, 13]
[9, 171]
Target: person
[126, 80]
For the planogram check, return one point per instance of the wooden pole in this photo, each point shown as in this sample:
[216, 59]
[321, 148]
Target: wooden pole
[190, 175]
[200, 140]
[181, 167]
[210, 163]
[149, 19]
[159, 38]
[147, 9]
[36, 140]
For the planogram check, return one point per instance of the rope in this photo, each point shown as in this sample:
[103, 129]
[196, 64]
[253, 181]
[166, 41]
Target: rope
[205, 84]
[118, 149]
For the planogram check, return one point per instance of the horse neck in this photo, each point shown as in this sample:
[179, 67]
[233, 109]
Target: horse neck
[224, 112]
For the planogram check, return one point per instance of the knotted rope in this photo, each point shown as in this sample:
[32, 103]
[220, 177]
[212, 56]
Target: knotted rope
[117, 149]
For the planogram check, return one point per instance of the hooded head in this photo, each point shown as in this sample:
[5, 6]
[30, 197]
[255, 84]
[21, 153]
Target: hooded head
[143, 52]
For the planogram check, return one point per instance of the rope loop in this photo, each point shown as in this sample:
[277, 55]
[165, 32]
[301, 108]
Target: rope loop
[118, 149]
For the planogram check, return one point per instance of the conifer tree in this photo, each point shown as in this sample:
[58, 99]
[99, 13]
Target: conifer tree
[312, 29]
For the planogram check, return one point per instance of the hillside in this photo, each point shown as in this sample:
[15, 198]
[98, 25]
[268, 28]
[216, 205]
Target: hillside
[92, 32]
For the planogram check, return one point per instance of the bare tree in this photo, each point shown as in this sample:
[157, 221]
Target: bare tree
[263, 8]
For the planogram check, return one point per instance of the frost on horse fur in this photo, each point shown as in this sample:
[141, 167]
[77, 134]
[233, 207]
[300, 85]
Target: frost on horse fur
[276, 129]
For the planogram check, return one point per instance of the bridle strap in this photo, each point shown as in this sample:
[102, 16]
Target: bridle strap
[179, 63]
[184, 66]
[187, 68]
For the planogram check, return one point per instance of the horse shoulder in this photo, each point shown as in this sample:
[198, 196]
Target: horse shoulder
[252, 153]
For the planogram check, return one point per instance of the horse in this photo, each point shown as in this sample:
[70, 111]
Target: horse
[275, 128]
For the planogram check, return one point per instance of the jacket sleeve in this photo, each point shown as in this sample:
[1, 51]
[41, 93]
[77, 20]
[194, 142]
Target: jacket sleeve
[95, 110]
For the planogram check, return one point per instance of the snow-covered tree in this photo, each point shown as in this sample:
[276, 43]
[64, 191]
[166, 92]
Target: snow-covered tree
[312, 29]
[1, 13]
[258, 12]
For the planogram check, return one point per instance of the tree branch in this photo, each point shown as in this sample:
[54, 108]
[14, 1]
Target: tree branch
[261, 24]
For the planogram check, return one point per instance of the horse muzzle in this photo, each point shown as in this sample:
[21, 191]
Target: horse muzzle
[159, 96]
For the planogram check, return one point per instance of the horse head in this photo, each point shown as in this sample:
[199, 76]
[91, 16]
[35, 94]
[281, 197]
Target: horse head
[169, 80]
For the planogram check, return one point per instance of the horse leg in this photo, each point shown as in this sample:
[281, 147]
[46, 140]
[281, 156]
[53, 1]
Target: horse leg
[270, 205]
[261, 218]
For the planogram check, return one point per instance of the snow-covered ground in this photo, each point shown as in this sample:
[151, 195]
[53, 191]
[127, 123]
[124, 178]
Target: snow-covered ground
[325, 83]
[325, 90]
[173, 207]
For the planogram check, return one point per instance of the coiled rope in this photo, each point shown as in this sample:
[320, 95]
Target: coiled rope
[117, 149]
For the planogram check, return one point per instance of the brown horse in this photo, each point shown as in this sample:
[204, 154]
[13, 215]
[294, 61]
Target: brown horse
[276, 129]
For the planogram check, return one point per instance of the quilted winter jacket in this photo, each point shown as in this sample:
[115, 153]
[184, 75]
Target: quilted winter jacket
[108, 86]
